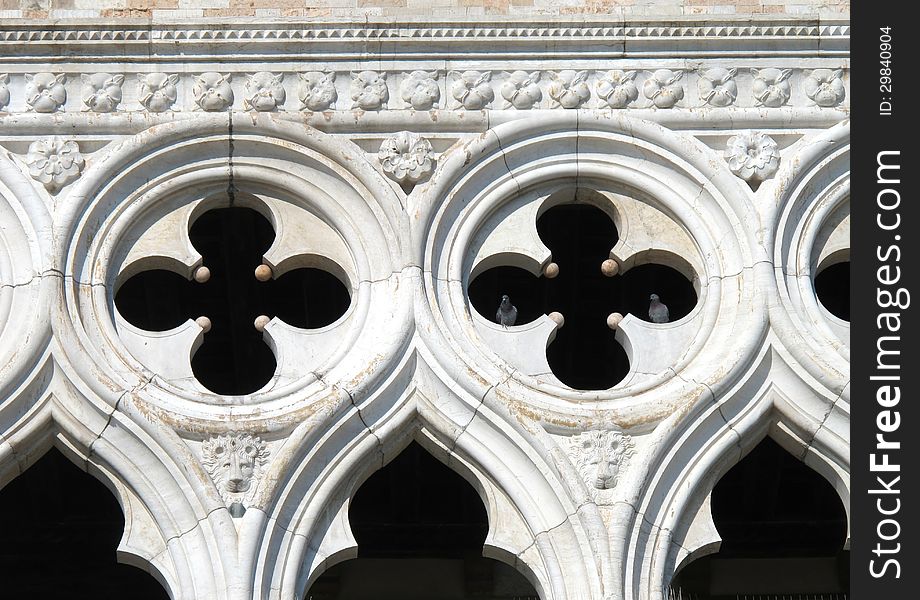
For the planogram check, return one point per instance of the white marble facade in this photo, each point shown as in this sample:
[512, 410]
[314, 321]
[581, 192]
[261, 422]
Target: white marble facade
[410, 155]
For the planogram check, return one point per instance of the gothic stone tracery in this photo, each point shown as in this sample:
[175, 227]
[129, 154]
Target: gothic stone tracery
[402, 181]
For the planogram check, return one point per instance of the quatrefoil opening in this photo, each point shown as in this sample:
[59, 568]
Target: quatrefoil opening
[585, 353]
[234, 356]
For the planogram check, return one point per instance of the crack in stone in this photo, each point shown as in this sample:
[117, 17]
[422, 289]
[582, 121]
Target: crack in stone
[111, 415]
[827, 415]
[197, 524]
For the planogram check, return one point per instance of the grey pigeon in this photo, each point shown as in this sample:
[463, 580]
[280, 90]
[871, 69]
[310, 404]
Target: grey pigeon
[507, 312]
[657, 311]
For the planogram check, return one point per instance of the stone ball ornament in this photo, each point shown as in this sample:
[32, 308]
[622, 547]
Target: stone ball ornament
[406, 158]
[752, 156]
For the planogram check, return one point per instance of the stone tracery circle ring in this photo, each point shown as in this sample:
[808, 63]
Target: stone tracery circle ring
[533, 159]
[275, 165]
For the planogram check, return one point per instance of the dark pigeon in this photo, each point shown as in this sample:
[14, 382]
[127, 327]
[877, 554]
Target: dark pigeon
[657, 311]
[507, 312]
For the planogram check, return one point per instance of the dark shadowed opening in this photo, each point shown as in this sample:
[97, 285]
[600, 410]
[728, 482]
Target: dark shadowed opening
[233, 359]
[832, 285]
[783, 528]
[420, 528]
[585, 354]
[60, 528]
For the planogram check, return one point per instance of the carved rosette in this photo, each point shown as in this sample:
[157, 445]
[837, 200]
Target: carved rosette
[825, 87]
[618, 88]
[101, 92]
[407, 158]
[317, 91]
[600, 457]
[212, 92]
[264, 92]
[54, 162]
[369, 90]
[752, 156]
[717, 86]
[420, 90]
[663, 88]
[234, 462]
[45, 92]
[157, 91]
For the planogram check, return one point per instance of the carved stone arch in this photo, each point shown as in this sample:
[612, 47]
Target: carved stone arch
[169, 166]
[533, 525]
[27, 286]
[676, 175]
[812, 191]
[176, 528]
[673, 523]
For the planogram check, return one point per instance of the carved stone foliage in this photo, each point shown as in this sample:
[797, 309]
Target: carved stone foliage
[752, 156]
[420, 90]
[601, 456]
[45, 92]
[521, 90]
[54, 162]
[472, 89]
[406, 158]
[4, 90]
[618, 88]
[663, 88]
[825, 87]
[234, 462]
[212, 91]
[102, 92]
[317, 91]
[569, 89]
[264, 91]
[771, 86]
[717, 86]
[369, 90]
[157, 91]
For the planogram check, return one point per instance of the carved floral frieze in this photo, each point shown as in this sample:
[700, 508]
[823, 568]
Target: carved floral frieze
[420, 90]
